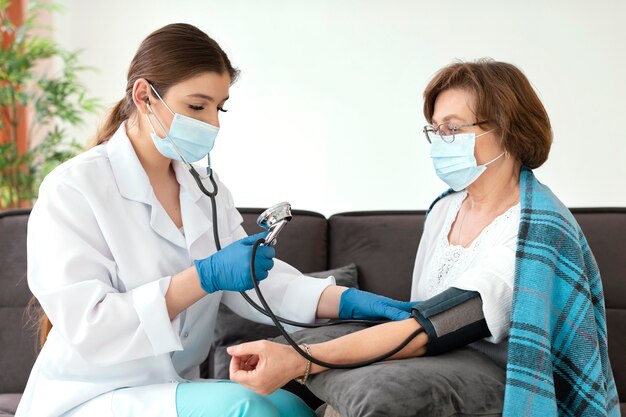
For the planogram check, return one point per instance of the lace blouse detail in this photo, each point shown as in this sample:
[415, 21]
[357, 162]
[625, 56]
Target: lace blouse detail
[450, 261]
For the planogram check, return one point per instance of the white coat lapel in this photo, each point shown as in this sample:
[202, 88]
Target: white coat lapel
[195, 208]
[133, 184]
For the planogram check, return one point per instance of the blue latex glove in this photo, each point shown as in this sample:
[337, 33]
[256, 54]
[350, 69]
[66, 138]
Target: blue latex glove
[229, 268]
[357, 304]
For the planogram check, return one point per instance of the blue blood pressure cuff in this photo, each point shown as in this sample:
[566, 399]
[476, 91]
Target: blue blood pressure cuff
[452, 319]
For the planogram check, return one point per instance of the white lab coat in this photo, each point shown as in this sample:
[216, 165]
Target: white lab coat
[101, 253]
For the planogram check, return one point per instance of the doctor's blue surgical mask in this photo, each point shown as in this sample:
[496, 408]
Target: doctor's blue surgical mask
[188, 140]
[454, 162]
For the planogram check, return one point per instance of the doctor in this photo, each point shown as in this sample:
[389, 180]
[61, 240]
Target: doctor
[121, 256]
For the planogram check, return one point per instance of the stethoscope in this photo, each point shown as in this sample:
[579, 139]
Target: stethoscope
[274, 220]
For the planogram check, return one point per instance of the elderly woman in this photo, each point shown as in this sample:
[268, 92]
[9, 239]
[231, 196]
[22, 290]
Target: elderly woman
[500, 233]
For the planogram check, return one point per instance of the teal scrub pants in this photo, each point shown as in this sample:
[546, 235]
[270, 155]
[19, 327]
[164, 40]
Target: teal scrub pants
[229, 399]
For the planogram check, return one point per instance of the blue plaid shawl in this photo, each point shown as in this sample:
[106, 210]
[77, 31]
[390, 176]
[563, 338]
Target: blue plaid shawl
[558, 361]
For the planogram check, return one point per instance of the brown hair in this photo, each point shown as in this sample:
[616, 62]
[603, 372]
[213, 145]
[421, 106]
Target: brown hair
[166, 57]
[37, 321]
[505, 98]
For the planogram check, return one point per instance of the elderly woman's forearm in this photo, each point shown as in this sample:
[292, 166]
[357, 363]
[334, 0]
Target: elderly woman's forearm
[369, 343]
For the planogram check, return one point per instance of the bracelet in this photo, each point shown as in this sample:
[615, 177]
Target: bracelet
[308, 366]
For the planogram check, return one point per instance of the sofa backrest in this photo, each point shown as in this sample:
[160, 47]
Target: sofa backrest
[605, 230]
[302, 243]
[382, 244]
[17, 334]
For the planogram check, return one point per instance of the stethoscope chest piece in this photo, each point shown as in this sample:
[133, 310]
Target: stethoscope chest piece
[274, 219]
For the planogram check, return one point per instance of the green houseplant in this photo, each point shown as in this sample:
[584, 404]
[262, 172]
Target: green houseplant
[53, 98]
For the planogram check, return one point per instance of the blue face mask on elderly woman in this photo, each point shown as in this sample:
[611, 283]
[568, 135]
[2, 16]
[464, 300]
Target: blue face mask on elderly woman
[454, 160]
[188, 137]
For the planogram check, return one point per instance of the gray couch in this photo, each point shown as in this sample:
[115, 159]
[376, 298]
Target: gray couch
[381, 243]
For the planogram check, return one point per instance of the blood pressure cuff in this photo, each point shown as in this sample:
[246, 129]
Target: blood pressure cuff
[452, 319]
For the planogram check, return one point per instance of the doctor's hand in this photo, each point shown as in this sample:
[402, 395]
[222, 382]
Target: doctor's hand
[229, 268]
[357, 304]
[264, 366]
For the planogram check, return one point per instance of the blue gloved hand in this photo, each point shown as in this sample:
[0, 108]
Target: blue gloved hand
[229, 268]
[357, 304]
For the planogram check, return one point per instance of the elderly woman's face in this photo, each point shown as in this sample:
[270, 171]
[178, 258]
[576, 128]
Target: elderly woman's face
[453, 107]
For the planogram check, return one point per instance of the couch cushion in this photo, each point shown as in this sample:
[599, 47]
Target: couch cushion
[382, 244]
[8, 404]
[17, 328]
[302, 243]
[616, 320]
[605, 229]
[462, 382]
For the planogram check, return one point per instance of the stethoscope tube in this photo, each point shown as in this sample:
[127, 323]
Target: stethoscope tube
[266, 310]
[211, 196]
[298, 348]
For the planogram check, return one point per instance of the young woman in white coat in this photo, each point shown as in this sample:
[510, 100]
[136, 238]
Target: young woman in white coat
[122, 258]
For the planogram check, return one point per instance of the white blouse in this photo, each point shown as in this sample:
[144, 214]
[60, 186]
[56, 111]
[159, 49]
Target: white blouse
[487, 266]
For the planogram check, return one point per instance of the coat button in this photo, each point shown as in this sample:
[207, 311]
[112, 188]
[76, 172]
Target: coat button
[186, 335]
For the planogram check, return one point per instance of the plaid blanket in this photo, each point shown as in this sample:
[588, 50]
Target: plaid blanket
[558, 363]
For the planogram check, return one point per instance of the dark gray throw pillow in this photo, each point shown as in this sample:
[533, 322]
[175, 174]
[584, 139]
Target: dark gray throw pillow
[463, 382]
[231, 329]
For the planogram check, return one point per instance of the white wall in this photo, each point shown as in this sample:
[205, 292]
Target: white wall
[327, 113]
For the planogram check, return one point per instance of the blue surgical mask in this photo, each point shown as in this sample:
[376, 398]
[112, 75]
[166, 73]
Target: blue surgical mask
[454, 162]
[188, 139]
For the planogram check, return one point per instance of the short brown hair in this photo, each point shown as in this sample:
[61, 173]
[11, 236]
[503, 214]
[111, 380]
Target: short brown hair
[504, 97]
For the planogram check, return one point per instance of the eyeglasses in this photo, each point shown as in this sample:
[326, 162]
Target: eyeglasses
[447, 131]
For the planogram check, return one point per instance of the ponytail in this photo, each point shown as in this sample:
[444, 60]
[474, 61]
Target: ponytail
[44, 328]
[37, 321]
